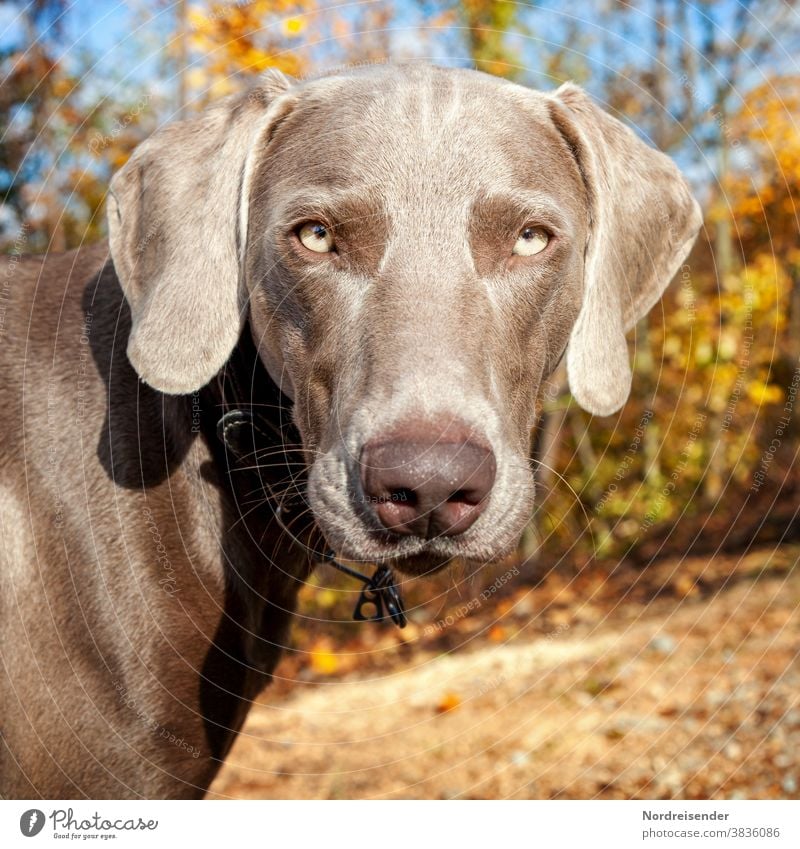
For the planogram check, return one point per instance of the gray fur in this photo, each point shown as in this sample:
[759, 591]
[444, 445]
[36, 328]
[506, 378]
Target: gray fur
[138, 617]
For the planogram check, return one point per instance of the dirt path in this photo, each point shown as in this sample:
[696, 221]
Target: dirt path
[691, 698]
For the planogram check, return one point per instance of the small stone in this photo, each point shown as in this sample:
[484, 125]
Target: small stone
[520, 757]
[663, 644]
[673, 780]
[789, 784]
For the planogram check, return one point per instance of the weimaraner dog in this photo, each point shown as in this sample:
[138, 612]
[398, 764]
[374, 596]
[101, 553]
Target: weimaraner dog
[379, 268]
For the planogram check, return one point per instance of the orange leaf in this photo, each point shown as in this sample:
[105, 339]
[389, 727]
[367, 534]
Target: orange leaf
[449, 701]
[324, 662]
[497, 634]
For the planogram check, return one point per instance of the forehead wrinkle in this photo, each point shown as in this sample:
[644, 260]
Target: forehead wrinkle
[438, 123]
[425, 106]
[296, 139]
[323, 199]
[451, 168]
[422, 129]
[525, 201]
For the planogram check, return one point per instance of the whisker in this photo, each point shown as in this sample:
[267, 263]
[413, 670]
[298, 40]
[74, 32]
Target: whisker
[243, 516]
[272, 451]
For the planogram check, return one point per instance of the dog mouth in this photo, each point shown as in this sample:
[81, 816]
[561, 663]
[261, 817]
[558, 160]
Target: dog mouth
[359, 542]
[430, 557]
[421, 565]
[414, 557]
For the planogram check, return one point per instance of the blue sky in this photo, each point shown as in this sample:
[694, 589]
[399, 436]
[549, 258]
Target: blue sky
[96, 24]
[114, 31]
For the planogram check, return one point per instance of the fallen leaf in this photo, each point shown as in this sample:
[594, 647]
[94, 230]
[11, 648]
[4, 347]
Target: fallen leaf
[497, 634]
[449, 701]
[324, 662]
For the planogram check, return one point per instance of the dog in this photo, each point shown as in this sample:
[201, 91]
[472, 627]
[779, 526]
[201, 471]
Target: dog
[378, 267]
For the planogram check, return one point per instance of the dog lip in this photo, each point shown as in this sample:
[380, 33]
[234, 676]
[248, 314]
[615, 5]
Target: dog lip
[382, 546]
[419, 566]
[421, 558]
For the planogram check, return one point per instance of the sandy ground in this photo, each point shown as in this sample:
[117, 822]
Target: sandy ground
[694, 694]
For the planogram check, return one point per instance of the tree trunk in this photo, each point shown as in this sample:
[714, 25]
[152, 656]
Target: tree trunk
[723, 261]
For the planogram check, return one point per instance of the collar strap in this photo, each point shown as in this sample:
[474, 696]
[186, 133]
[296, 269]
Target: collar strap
[379, 592]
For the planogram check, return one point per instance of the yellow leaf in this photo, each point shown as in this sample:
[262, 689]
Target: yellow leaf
[327, 598]
[61, 88]
[197, 78]
[324, 662]
[449, 701]
[765, 393]
[221, 88]
[292, 27]
[196, 18]
[685, 585]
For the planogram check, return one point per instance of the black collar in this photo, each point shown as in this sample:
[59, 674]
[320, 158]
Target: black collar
[251, 429]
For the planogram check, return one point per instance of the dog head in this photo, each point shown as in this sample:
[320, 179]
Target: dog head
[413, 250]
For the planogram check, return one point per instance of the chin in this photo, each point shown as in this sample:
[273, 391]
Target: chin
[412, 557]
[421, 565]
[417, 558]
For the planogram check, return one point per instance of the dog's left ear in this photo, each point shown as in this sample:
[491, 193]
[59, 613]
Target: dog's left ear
[644, 221]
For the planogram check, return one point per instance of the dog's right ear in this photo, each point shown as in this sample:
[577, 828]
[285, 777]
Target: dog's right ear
[177, 214]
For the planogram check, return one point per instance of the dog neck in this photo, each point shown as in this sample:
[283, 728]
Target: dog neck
[259, 458]
[261, 441]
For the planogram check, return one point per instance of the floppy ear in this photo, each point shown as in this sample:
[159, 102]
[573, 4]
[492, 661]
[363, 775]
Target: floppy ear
[177, 215]
[644, 221]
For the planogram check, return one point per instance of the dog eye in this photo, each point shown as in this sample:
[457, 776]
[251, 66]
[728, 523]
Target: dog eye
[316, 237]
[531, 240]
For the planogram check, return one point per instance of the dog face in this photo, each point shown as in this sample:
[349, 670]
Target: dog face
[413, 249]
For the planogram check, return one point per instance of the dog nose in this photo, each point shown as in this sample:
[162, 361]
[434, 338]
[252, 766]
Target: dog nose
[426, 480]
